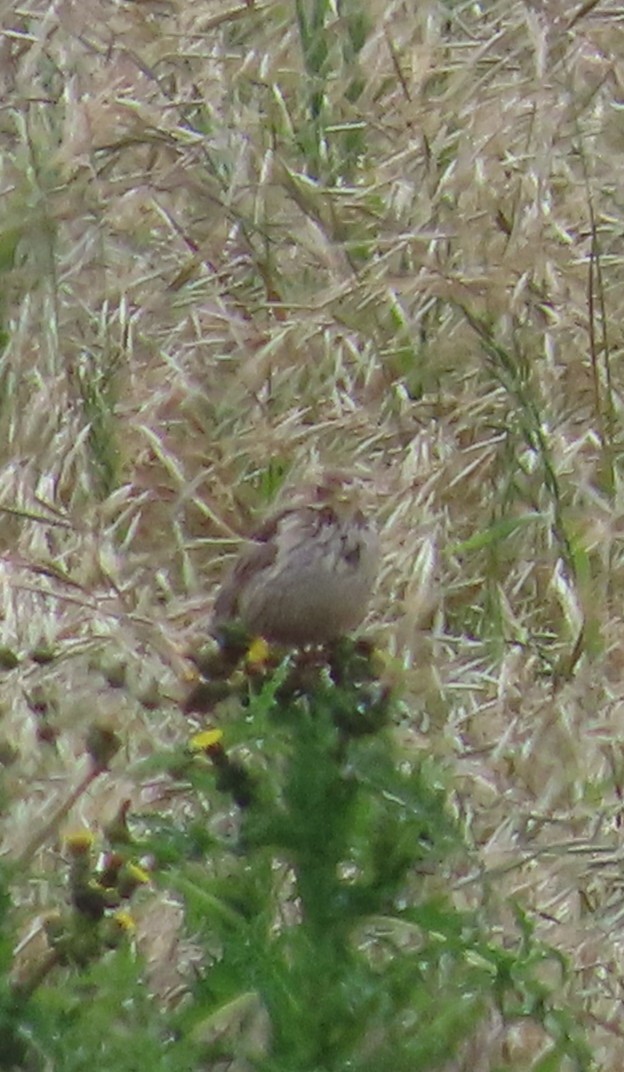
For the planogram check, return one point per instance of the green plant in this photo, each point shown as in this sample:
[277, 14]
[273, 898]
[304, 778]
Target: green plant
[315, 872]
[330, 938]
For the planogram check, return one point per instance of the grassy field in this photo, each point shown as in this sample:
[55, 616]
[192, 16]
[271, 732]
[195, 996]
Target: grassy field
[237, 239]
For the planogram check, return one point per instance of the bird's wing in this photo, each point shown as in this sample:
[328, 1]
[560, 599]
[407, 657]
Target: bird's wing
[258, 556]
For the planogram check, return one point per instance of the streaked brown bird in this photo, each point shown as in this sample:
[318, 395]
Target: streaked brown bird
[308, 572]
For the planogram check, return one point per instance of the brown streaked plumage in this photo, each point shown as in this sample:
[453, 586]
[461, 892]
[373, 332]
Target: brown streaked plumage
[307, 575]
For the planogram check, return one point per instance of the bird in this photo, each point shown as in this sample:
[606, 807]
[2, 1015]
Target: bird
[307, 573]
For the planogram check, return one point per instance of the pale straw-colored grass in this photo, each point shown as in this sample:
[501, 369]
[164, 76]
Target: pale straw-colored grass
[195, 308]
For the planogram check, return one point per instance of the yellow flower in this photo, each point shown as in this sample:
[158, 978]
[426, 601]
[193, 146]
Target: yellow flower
[117, 929]
[258, 652]
[130, 878]
[124, 921]
[205, 740]
[79, 843]
[138, 874]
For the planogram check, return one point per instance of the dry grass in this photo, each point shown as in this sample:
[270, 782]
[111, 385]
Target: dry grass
[200, 295]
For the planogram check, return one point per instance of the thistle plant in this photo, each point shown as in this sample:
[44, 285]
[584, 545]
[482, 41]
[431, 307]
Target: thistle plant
[315, 865]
